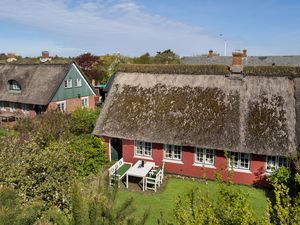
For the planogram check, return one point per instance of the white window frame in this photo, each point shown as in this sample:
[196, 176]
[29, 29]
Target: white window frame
[68, 83]
[205, 153]
[25, 108]
[14, 85]
[173, 156]
[83, 100]
[64, 108]
[77, 82]
[12, 107]
[238, 161]
[141, 149]
[276, 163]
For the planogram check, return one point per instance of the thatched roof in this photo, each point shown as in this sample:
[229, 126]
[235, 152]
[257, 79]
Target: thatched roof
[247, 61]
[255, 114]
[38, 82]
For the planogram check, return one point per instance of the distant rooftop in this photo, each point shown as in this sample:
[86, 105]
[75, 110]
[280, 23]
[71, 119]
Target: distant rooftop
[247, 61]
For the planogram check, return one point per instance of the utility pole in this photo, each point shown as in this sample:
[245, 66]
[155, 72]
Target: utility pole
[225, 44]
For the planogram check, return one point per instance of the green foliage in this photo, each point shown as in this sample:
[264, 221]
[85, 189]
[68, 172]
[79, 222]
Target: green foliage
[166, 57]
[280, 176]
[39, 174]
[174, 69]
[24, 125]
[286, 210]
[195, 209]
[272, 70]
[143, 59]
[13, 213]
[232, 208]
[83, 120]
[93, 152]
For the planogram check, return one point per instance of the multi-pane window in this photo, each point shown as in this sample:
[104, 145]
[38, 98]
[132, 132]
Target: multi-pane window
[61, 106]
[274, 162]
[14, 85]
[68, 83]
[77, 82]
[173, 152]
[25, 108]
[239, 160]
[204, 156]
[13, 106]
[85, 102]
[143, 148]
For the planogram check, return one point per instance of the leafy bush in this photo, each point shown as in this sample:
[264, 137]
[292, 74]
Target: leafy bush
[44, 174]
[13, 213]
[83, 121]
[93, 152]
[280, 176]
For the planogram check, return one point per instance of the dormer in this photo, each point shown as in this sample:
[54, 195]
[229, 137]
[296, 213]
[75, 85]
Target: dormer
[13, 85]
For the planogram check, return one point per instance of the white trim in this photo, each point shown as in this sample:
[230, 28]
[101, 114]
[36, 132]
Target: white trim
[204, 156]
[269, 172]
[84, 79]
[147, 156]
[172, 152]
[204, 165]
[83, 98]
[241, 170]
[65, 105]
[238, 160]
[109, 149]
[173, 161]
[142, 157]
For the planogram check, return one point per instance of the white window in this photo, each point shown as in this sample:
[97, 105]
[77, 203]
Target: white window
[14, 85]
[143, 148]
[85, 102]
[61, 106]
[274, 162]
[239, 160]
[68, 83]
[12, 106]
[173, 152]
[77, 82]
[25, 108]
[204, 156]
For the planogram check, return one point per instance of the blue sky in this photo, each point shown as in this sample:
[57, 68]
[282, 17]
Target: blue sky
[133, 27]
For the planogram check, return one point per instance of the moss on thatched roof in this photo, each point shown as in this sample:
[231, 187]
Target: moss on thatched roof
[174, 69]
[255, 114]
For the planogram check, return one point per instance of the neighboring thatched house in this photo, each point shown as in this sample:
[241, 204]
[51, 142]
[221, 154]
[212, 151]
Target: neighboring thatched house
[30, 89]
[190, 116]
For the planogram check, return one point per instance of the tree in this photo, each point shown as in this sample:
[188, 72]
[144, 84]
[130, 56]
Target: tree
[91, 65]
[166, 57]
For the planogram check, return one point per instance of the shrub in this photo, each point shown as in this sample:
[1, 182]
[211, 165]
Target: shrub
[93, 152]
[83, 120]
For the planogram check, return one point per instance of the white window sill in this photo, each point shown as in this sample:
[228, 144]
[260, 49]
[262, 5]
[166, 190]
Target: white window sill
[204, 165]
[242, 170]
[173, 161]
[142, 157]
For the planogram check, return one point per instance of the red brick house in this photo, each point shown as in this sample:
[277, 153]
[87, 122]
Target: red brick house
[204, 119]
[30, 89]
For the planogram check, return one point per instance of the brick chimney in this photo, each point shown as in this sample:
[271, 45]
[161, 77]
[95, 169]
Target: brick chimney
[244, 52]
[237, 58]
[45, 57]
[210, 54]
[11, 56]
[237, 62]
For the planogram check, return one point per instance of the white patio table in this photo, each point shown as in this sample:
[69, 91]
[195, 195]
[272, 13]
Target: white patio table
[138, 171]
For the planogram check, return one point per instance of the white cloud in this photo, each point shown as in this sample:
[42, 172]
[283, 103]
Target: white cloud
[106, 26]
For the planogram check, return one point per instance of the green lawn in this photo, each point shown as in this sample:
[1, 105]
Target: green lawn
[165, 200]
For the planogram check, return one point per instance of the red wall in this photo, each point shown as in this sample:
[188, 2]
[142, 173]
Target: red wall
[254, 176]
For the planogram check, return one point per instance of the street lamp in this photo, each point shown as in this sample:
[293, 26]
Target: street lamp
[225, 44]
